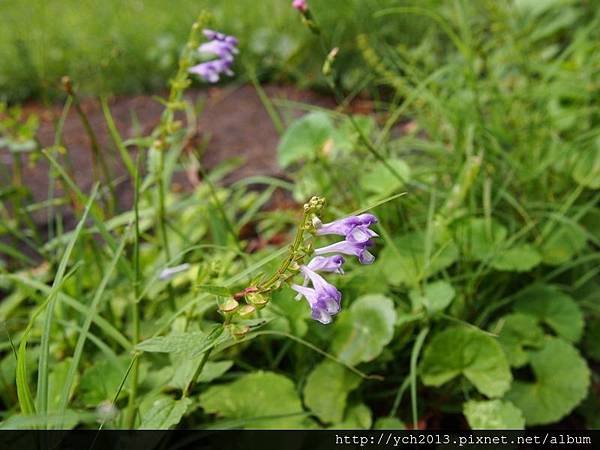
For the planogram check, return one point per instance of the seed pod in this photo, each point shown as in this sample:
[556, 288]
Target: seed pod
[257, 299]
[228, 306]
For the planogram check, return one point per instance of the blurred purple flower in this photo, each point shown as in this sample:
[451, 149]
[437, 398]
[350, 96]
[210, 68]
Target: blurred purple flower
[354, 228]
[300, 5]
[211, 70]
[224, 48]
[358, 249]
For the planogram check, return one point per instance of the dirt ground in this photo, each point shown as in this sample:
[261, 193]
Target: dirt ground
[233, 120]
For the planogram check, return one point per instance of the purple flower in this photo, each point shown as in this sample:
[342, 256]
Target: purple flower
[322, 304]
[327, 264]
[354, 228]
[211, 70]
[300, 5]
[221, 46]
[222, 49]
[358, 249]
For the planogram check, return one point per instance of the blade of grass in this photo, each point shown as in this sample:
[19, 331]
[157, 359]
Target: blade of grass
[70, 379]
[42, 386]
[414, 356]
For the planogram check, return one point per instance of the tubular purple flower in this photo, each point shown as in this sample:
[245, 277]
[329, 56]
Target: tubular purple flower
[354, 228]
[320, 284]
[327, 264]
[358, 249]
[224, 48]
[211, 70]
[221, 49]
[322, 306]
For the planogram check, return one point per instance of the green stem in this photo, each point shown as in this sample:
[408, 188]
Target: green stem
[197, 373]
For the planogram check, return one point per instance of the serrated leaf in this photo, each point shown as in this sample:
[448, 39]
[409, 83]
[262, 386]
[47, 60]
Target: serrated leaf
[327, 388]
[479, 239]
[364, 329]
[381, 180]
[517, 259]
[471, 353]
[257, 398]
[519, 333]
[164, 413]
[493, 415]
[562, 244]
[405, 264]
[552, 307]
[434, 297]
[561, 382]
[304, 138]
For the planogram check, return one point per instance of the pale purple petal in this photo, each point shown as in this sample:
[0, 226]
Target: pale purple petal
[327, 264]
[358, 249]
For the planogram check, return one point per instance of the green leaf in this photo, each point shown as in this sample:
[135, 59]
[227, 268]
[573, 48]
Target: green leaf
[465, 351]
[479, 239]
[101, 381]
[364, 329]
[561, 382]
[164, 413]
[591, 340]
[493, 415]
[304, 138]
[519, 332]
[327, 388]
[586, 170]
[435, 296]
[262, 399]
[563, 244]
[186, 368]
[56, 381]
[358, 417]
[381, 180]
[552, 307]
[517, 259]
[404, 261]
[193, 343]
[389, 423]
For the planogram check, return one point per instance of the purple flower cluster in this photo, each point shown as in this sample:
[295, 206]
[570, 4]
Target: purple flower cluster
[224, 48]
[324, 298]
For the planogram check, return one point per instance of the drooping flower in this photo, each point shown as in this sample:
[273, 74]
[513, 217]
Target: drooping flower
[224, 48]
[169, 272]
[358, 249]
[322, 304]
[353, 228]
[300, 5]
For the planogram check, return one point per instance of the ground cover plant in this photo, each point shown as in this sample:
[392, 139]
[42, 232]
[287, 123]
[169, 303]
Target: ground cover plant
[435, 264]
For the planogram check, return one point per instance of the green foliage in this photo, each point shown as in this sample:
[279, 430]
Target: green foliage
[463, 351]
[476, 147]
[326, 390]
[364, 330]
[493, 415]
[259, 400]
[561, 381]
